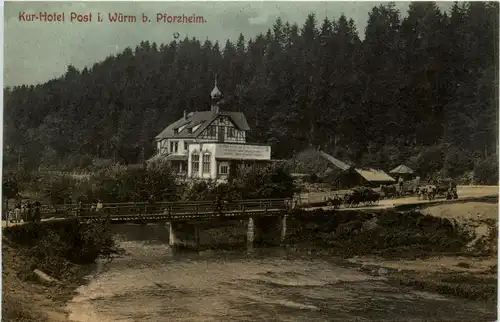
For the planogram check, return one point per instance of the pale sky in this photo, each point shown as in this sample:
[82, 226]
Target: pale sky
[35, 52]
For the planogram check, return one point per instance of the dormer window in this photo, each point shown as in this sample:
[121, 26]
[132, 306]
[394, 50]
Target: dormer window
[176, 131]
[183, 127]
[190, 130]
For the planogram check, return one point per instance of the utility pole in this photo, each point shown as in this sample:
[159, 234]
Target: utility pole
[143, 157]
[19, 159]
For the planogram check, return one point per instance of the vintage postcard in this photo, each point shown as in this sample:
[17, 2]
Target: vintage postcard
[250, 161]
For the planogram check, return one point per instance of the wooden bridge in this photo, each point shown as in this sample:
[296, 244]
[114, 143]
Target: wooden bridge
[171, 211]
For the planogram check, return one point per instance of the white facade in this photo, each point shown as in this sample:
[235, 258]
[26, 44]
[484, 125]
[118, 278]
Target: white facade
[213, 160]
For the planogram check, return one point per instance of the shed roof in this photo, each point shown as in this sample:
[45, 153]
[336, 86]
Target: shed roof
[336, 162]
[374, 175]
[203, 118]
[402, 169]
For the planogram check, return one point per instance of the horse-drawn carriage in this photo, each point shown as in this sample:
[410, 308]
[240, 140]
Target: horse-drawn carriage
[409, 187]
[446, 188]
[389, 191]
[362, 195]
[334, 202]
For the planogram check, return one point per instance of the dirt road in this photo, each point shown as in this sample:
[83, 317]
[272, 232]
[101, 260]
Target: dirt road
[464, 192]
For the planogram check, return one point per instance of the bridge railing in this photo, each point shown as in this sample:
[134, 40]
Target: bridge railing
[173, 208]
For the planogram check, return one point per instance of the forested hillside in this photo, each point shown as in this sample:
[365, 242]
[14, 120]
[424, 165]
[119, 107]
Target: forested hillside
[422, 88]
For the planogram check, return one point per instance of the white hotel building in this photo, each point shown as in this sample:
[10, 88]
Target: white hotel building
[209, 144]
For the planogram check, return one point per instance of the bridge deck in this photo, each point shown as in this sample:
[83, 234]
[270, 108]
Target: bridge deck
[173, 210]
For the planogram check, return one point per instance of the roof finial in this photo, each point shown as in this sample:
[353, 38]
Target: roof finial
[216, 94]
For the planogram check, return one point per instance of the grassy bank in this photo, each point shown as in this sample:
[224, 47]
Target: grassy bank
[64, 250]
[449, 249]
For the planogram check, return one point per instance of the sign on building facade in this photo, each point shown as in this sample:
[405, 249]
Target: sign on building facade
[242, 152]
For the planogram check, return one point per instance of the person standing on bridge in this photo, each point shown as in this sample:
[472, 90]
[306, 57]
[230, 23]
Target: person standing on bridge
[37, 216]
[400, 186]
[22, 217]
[79, 208]
[10, 216]
[99, 206]
[29, 211]
[17, 213]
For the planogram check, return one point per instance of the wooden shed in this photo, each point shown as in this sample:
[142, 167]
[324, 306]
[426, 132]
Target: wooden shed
[354, 177]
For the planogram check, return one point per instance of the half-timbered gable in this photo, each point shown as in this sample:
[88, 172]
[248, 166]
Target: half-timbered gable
[224, 129]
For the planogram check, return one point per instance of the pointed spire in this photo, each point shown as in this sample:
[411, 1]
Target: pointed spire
[216, 94]
[216, 98]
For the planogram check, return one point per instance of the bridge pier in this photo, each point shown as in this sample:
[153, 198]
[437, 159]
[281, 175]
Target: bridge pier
[183, 235]
[266, 230]
[283, 228]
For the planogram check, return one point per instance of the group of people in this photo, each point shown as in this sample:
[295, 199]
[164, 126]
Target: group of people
[93, 207]
[26, 212]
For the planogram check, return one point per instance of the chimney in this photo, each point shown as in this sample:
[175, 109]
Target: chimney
[185, 115]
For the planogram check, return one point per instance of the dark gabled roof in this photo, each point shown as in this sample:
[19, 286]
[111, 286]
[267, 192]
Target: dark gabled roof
[203, 118]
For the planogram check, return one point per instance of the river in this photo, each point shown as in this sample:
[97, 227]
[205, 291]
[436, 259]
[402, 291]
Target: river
[151, 283]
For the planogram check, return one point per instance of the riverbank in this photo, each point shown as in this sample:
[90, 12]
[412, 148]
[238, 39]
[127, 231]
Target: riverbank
[447, 249]
[27, 300]
[64, 251]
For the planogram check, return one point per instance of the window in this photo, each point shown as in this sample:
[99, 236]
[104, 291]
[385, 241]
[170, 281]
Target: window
[206, 163]
[176, 131]
[174, 146]
[231, 132]
[186, 146]
[195, 164]
[181, 128]
[224, 169]
[212, 130]
[190, 130]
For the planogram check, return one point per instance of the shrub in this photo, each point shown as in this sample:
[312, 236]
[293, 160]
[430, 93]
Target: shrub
[53, 245]
[248, 183]
[58, 188]
[121, 184]
[160, 182]
[264, 182]
[199, 190]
